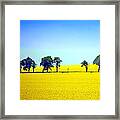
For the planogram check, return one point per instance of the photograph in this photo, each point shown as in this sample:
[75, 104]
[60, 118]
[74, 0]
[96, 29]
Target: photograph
[60, 60]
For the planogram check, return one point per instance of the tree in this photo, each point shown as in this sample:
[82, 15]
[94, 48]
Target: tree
[23, 63]
[47, 63]
[57, 61]
[20, 66]
[27, 64]
[97, 62]
[33, 65]
[84, 63]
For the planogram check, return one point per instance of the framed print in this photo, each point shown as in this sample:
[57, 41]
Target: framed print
[59, 59]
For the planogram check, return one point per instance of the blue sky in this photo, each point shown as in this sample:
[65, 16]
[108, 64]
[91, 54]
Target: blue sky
[71, 40]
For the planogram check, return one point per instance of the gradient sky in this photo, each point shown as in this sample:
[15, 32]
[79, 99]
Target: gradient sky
[72, 40]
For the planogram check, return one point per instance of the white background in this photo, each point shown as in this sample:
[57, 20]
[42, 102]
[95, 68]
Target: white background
[15, 13]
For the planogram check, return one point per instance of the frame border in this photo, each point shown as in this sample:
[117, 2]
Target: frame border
[2, 60]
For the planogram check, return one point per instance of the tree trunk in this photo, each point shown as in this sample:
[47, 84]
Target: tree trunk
[47, 69]
[98, 68]
[43, 69]
[56, 68]
[28, 70]
[86, 68]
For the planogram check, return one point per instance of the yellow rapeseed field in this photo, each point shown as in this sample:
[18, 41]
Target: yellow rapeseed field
[74, 84]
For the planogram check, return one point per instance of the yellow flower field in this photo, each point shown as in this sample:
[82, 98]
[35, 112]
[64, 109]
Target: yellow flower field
[75, 84]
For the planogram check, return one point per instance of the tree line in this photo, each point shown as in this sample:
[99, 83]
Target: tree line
[48, 62]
